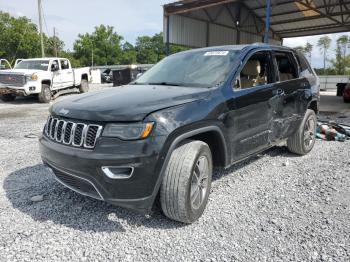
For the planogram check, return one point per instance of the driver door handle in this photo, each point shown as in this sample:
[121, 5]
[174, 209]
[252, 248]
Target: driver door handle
[279, 92]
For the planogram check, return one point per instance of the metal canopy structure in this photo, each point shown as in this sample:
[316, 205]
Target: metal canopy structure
[199, 23]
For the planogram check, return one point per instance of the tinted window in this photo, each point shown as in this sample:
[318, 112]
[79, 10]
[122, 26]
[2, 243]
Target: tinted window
[257, 71]
[64, 64]
[193, 69]
[305, 68]
[287, 67]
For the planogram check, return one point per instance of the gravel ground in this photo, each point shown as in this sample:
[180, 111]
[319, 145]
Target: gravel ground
[275, 206]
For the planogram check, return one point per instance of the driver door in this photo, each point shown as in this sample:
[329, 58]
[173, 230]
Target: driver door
[56, 76]
[254, 101]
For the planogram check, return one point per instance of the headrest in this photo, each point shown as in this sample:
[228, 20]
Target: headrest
[252, 68]
[284, 65]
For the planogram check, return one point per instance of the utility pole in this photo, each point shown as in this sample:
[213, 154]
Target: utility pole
[41, 29]
[55, 42]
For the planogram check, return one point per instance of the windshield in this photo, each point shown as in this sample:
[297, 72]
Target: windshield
[33, 64]
[193, 69]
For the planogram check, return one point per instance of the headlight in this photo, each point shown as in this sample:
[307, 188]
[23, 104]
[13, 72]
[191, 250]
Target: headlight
[32, 77]
[128, 131]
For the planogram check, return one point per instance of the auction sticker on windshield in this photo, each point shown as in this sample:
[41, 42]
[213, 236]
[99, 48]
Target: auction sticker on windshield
[216, 53]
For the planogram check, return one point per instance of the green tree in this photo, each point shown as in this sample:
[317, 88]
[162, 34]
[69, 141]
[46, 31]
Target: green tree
[129, 54]
[308, 50]
[19, 38]
[145, 49]
[324, 43]
[52, 45]
[341, 61]
[103, 46]
[150, 50]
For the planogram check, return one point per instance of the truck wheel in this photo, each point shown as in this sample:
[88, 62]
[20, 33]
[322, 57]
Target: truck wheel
[304, 138]
[84, 86]
[45, 94]
[185, 188]
[8, 97]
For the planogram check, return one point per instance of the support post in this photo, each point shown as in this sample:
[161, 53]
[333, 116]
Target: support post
[167, 45]
[267, 21]
[41, 29]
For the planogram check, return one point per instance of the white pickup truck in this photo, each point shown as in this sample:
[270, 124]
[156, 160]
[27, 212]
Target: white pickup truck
[45, 77]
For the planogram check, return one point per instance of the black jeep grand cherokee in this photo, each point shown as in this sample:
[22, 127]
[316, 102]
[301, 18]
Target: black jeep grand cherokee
[164, 133]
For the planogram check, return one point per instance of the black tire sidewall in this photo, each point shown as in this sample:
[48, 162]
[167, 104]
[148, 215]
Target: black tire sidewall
[84, 86]
[194, 214]
[45, 89]
[308, 115]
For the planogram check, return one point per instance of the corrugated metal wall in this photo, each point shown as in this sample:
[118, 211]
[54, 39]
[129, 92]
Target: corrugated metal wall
[197, 29]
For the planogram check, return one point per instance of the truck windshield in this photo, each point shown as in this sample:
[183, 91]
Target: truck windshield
[192, 69]
[33, 64]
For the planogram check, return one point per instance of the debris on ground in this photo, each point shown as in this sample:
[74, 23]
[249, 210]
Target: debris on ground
[332, 131]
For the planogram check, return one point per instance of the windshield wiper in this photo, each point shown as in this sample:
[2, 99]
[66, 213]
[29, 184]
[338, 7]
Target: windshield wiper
[163, 84]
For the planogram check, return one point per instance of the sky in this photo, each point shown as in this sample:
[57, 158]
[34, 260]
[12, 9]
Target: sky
[130, 18]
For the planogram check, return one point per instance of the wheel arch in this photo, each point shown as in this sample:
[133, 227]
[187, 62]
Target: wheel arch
[46, 82]
[313, 105]
[197, 134]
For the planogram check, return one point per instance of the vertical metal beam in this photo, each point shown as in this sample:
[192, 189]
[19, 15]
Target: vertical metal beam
[267, 21]
[167, 44]
[208, 34]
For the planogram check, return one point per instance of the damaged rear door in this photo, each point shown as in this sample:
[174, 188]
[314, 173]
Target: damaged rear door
[290, 89]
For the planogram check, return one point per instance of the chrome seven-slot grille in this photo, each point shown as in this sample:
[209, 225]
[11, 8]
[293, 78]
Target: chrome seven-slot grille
[71, 133]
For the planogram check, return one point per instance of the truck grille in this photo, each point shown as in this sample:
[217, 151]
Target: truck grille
[71, 133]
[12, 80]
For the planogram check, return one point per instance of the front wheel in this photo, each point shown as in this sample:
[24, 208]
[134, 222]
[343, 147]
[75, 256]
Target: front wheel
[84, 86]
[185, 188]
[303, 140]
[8, 97]
[45, 94]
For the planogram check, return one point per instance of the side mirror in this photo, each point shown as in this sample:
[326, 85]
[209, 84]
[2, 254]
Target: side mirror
[237, 84]
[138, 75]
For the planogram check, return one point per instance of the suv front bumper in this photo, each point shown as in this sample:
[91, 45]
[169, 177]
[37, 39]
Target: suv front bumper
[81, 169]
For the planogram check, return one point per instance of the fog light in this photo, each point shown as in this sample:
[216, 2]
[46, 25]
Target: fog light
[31, 88]
[115, 172]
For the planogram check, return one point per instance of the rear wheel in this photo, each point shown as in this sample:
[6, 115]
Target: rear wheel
[185, 188]
[45, 94]
[84, 86]
[304, 138]
[346, 100]
[8, 97]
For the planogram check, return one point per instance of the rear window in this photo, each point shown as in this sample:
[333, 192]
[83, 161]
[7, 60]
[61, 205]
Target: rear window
[287, 67]
[305, 68]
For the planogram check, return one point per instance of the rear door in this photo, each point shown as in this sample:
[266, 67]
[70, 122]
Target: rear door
[67, 76]
[252, 110]
[290, 85]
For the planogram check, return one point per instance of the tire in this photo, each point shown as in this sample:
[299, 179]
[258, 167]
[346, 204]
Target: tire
[84, 86]
[181, 181]
[8, 97]
[303, 140]
[45, 94]
[346, 100]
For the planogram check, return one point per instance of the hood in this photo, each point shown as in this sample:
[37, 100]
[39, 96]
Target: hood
[126, 103]
[19, 71]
